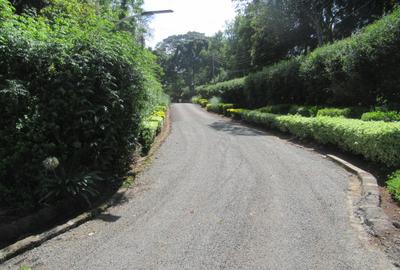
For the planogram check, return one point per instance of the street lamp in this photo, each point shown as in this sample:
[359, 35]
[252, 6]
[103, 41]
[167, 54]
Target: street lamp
[145, 13]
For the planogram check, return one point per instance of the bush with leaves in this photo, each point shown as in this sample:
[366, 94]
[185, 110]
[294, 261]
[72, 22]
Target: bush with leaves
[376, 141]
[220, 108]
[150, 127]
[393, 185]
[229, 91]
[391, 116]
[359, 71]
[73, 88]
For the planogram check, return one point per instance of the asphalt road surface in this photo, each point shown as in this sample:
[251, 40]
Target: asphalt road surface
[220, 195]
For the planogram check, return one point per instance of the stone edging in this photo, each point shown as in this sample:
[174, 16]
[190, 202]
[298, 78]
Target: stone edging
[36, 240]
[369, 208]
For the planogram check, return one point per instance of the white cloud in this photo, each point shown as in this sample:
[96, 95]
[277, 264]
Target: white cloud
[205, 16]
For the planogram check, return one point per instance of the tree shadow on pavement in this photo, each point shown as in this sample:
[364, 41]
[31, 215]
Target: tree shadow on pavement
[237, 130]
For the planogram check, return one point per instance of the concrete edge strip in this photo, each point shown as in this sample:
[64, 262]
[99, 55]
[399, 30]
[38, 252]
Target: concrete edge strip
[33, 241]
[369, 206]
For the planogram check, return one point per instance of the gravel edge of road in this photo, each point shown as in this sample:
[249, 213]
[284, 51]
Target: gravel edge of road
[33, 241]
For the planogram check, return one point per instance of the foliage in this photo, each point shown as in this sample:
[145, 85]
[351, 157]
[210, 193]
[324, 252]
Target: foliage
[376, 141]
[71, 87]
[181, 59]
[360, 71]
[393, 185]
[229, 91]
[334, 112]
[150, 127]
[390, 116]
[235, 113]
[221, 108]
[201, 101]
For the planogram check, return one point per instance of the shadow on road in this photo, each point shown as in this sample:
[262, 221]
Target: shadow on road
[108, 217]
[237, 130]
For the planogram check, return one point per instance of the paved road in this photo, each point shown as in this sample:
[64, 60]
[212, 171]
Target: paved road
[220, 196]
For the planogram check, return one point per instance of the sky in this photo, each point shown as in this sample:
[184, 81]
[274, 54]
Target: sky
[204, 16]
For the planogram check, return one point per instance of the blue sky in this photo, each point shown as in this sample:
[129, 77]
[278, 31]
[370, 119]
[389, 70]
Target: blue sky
[205, 16]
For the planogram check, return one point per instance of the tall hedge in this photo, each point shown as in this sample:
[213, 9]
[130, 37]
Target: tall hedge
[232, 91]
[358, 71]
[72, 91]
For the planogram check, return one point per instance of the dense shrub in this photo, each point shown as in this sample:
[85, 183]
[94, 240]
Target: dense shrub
[235, 113]
[358, 71]
[201, 101]
[150, 127]
[393, 185]
[195, 99]
[391, 116]
[334, 112]
[307, 111]
[219, 107]
[72, 90]
[376, 141]
[276, 84]
[230, 91]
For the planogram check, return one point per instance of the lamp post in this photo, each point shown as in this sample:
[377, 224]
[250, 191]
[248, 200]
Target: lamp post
[145, 13]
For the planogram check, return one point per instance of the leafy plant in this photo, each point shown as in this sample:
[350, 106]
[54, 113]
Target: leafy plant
[376, 141]
[73, 87]
[390, 116]
[393, 185]
[334, 112]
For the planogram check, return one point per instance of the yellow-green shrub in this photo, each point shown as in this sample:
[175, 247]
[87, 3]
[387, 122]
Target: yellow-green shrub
[376, 141]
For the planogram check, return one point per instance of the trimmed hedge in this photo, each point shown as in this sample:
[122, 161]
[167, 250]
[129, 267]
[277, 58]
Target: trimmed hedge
[393, 185]
[334, 112]
[219, 107]
[376, 141]
[358, 71]
[391, 116]
[229, 91]
[150, 127]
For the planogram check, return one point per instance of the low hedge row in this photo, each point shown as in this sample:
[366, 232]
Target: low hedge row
[150, 127]
[360, 70]
[201, 101]
[376, 141]
[391, 116]
[221, 108]
[393, 185]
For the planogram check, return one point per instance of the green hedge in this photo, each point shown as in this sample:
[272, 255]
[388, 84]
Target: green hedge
[334, 112]
[393, 185]
[230, 91]
[391, 116]
[376, 141]
[358, 71]
[221, 108]
[150, 127]
[201, 101]
[73, 92]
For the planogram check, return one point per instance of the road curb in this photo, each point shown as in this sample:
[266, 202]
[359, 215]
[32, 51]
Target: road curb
[36, 240]
[369, 209]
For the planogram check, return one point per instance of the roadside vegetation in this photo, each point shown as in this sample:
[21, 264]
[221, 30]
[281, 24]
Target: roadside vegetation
[78, 93]
[345, 94]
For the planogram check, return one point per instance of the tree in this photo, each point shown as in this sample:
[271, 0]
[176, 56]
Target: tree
[181, 58]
